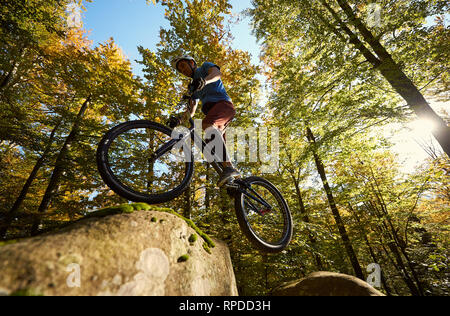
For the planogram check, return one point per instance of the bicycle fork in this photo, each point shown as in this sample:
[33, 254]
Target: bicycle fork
[241, 186]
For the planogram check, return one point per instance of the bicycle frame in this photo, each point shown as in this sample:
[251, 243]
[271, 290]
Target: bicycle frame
[198, 141]
[201, 144]
[239, 185]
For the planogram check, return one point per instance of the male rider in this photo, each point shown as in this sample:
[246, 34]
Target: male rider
[216, 104]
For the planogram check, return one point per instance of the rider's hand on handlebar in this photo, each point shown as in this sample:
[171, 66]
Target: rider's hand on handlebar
[177, 120]
[198, 84]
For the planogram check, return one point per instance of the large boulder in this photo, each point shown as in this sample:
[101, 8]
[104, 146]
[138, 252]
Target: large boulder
[326, 284]
[132, 254]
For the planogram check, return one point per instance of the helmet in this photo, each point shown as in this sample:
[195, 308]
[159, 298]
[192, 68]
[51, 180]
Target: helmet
[176, 60]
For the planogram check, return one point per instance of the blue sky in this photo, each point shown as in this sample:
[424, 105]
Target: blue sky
[133, 23]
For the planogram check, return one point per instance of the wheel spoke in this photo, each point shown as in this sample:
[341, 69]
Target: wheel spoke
[264, 213]
[131, 166]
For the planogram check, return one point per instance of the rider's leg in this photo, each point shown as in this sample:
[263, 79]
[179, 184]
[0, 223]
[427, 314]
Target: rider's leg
[225, 160]
[219, 117]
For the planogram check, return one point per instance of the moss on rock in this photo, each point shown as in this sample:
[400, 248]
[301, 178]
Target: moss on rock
[183, 258]
[8, 242]
[193, 238]
[26, 292]
[206, 247]
[130, 208]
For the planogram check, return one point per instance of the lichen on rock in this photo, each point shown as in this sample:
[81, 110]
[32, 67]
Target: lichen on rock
[123, 254]
[130, 208]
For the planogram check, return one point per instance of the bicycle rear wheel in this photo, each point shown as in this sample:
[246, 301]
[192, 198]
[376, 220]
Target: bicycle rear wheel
[125, 163]
[264, 215]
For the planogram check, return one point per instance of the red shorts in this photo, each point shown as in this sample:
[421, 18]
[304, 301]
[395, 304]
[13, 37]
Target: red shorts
[220, 115]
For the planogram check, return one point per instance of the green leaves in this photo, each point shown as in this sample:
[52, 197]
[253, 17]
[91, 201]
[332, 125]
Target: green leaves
[47, 72]
[320, 67]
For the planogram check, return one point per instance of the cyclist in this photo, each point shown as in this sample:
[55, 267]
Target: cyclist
[216, 104]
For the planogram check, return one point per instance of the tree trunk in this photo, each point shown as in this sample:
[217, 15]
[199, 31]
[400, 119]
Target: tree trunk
[409, 282]
[6, 80]
[208, 188]
[27, 185]
[369, 246]
[385, 231]
[337, 216]
[392, 72]
[397, 241]
[416, 101]
[60, 165]
[151, 163]
[187, 210]
[306, 219]
[265, 263]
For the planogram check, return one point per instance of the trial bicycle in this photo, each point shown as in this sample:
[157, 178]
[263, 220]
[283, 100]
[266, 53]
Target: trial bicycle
[138, 160]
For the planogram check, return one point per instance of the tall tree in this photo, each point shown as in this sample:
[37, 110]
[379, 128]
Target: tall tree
[336, 214]
[382, 46]
[101, 79]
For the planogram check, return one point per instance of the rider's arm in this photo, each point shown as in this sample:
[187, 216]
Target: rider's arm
[214, 75]
[191, 109]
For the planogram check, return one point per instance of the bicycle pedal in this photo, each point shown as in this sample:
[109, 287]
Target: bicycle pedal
[231, 185]
[227, 185]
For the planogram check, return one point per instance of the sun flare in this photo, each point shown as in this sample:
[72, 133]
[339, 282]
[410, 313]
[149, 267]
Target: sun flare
[422, 128]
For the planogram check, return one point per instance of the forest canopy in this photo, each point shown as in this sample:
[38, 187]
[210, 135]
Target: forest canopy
[334, 77]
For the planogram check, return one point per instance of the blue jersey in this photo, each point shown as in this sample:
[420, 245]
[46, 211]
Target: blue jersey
[213, 92]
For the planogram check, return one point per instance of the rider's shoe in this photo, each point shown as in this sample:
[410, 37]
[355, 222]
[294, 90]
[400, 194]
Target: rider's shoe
[228, 174]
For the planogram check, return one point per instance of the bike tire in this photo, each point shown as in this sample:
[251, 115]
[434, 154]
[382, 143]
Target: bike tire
[120, 188]
[249, 232]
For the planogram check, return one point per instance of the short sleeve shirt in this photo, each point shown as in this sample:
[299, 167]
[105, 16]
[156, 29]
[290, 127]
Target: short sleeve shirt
[213, 92]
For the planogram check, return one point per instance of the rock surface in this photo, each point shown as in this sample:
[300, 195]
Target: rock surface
[326, 284]
[137, 254]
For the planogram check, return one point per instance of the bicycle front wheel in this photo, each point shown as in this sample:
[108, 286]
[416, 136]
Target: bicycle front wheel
[264, 215]
[126, 162]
